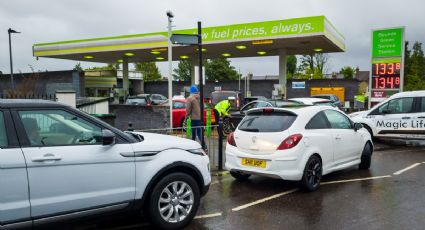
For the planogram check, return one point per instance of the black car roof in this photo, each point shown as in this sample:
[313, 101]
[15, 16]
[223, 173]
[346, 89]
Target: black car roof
[29, 103]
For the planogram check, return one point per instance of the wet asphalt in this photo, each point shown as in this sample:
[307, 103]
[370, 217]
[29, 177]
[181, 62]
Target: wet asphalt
[384, 197]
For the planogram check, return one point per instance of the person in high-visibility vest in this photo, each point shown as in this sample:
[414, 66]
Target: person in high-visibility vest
[222, 108]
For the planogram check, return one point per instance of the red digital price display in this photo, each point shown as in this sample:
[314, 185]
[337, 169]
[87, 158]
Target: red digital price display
[386, 69]
[386, 82]
[386, 75]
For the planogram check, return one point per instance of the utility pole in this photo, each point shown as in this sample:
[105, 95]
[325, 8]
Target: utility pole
[10, 31]
[170, 16]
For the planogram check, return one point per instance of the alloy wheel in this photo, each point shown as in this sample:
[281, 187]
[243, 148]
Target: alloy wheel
[176, 201]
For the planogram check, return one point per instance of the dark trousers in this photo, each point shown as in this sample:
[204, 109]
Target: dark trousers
[196, 132]
[217, 116]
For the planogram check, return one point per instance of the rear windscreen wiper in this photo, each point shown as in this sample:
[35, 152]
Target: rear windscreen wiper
[250, 130]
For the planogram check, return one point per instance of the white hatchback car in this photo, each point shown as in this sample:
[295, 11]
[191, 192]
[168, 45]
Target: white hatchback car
[58, 163]
[297, 144]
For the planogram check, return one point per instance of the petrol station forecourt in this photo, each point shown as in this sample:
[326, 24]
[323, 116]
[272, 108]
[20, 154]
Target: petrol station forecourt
[297, 36]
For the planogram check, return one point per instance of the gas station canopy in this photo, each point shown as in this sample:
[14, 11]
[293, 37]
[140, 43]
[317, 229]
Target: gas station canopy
[296, 36]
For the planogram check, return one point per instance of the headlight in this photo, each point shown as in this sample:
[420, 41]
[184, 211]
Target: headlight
[197, 152]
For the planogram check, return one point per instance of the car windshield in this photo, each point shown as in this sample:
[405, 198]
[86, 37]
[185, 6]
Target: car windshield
[136, 101]
[323, 103]
[323, 96]
[267, 122]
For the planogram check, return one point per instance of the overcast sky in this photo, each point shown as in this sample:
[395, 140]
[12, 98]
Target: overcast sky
[53, 20]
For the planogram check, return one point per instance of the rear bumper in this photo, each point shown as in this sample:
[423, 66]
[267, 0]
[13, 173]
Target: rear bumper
[276, 167]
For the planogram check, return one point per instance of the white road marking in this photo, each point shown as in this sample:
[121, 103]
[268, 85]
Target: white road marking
[405, 169]
[209, 215]
[423, 162]
[263, 200]
[353, 180]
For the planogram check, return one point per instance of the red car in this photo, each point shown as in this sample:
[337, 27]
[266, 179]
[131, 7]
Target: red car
[179, 112]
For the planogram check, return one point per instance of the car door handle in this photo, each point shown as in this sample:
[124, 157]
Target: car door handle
[421, 117]
[405, 117]
[338, 137]
[47, 157]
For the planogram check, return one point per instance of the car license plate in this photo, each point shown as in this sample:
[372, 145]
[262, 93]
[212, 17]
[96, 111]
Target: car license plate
[254, 162]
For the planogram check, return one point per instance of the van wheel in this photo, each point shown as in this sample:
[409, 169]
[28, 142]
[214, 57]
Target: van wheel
[174, 201]
[312, 174]
[366, 157]
[240, 176]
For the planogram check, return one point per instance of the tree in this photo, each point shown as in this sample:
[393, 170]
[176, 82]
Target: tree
[313, 65]
[183, 71]
[109, 66]
[78, 67]
[149, 71]
[291, 65]
[220, 69]
[414, 67]
[348, 72]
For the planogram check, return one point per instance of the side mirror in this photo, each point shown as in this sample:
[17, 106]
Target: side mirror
[108, 137]
[357, 126]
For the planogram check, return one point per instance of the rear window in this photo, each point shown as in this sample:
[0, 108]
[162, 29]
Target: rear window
[267, 122]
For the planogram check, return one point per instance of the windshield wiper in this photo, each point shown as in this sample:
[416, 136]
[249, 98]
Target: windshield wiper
[249, 130]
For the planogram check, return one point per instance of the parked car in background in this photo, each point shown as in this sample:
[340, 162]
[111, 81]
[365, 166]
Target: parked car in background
[142, 99]
[158, 99]
[179, 113]
[400, 116]
[297, 144]
[237, 116]
[247, 100]
[332, 97]
[67, 165]
[218, 96]
[312, 101]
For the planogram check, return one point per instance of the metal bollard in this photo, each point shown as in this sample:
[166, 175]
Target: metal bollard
[220, 145]
[130, 126]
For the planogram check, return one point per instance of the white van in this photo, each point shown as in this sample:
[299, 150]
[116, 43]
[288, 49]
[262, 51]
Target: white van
[400, 116]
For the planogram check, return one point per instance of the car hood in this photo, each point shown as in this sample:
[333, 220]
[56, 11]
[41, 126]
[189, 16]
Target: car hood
[160, 142]
[358, 114]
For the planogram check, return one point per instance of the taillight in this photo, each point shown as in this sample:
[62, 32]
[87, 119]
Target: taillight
[290, 142]
[231, 139]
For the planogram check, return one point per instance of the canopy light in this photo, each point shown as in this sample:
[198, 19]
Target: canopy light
[120, 60]
[318, 50]
[261, 52]
[159, 49]
[203, 50]
[129, 54]
[262, 42]
[226, 55]
[88, 57]
[160, 58]
[240, 47]
[184, 57]
[155, 52]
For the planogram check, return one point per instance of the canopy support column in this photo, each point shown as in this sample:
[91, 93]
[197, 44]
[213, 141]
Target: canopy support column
[282, 73]
[125, 81]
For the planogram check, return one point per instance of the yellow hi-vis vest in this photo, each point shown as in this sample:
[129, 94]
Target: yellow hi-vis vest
[223, 107]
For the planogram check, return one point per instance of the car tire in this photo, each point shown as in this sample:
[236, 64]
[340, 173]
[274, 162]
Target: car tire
[240, 176]
[165, 197]
[366, 158]
[312, 174]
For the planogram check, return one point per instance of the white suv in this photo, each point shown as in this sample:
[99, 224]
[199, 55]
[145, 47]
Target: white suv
[401, 115]
[58, 163]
